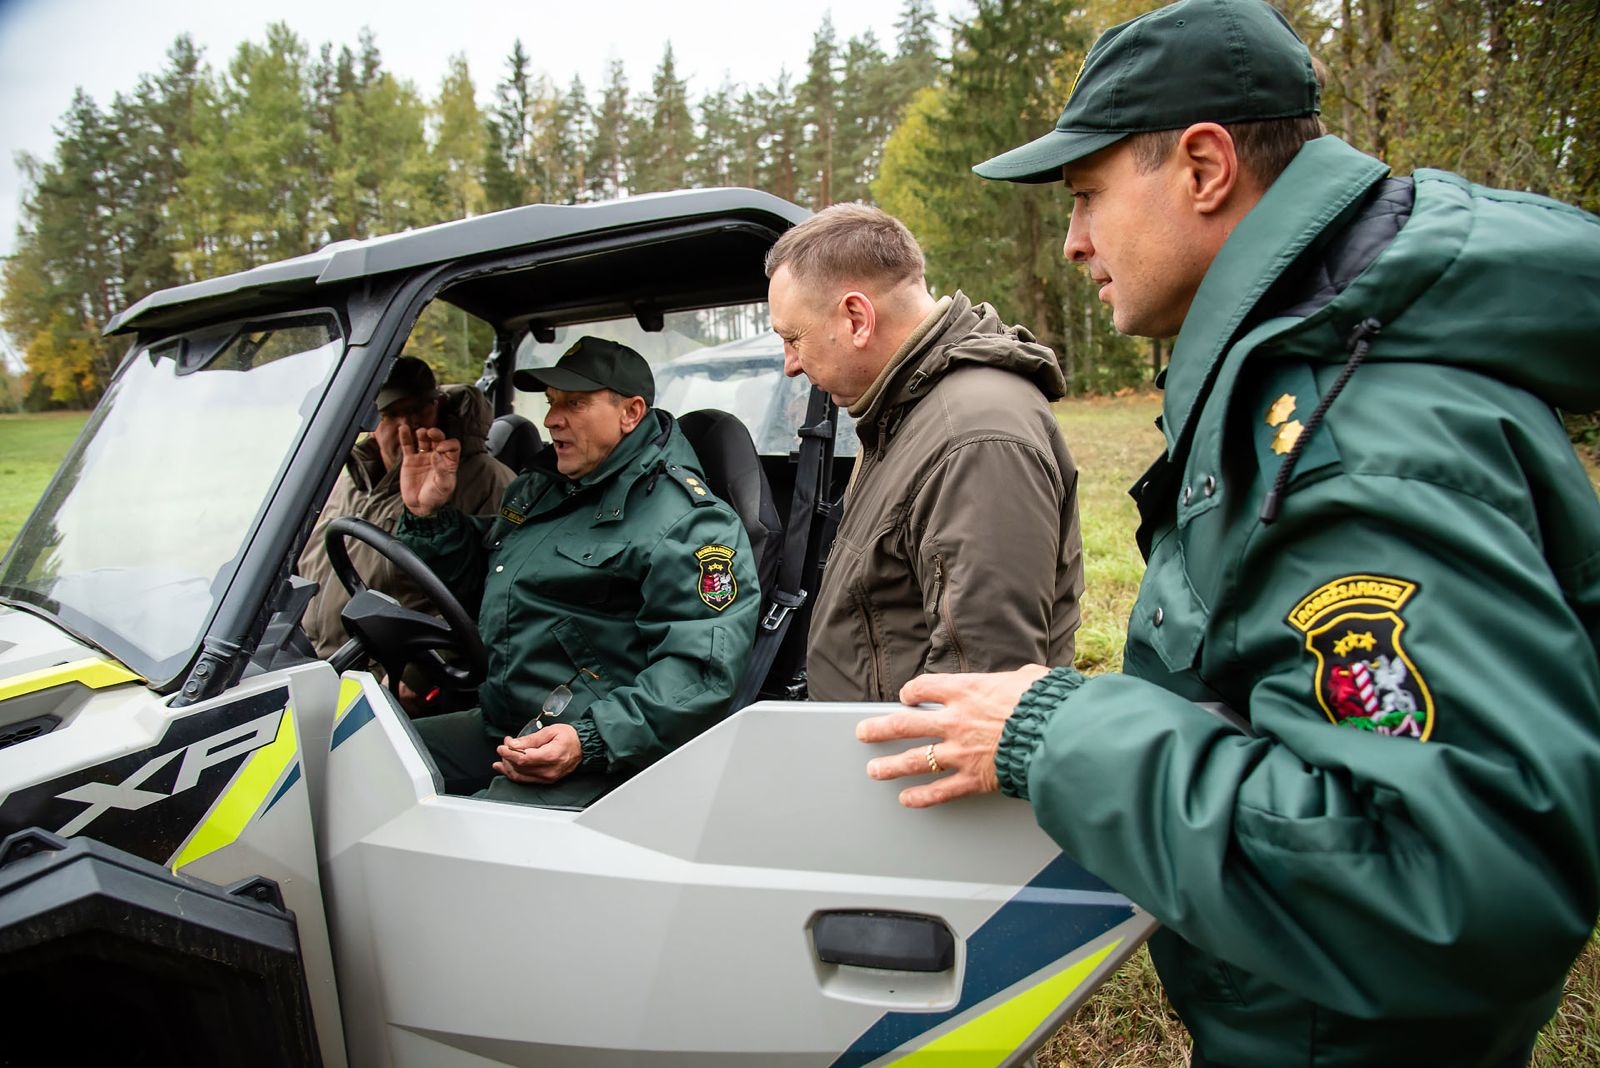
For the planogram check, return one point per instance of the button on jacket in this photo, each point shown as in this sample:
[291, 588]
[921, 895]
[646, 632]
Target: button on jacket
[635, 573]
[1400, 865]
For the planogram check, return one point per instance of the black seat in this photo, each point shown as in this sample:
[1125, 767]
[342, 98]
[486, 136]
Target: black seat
[514, 441]
[732, 468]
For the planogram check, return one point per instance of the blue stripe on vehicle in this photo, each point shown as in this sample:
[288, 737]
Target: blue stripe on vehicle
[289, 780]
[1061, 909]
[359, 716]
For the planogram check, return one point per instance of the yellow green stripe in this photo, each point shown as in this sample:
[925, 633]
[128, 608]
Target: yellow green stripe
[93, 672]
[349, 690]
[991, 1038]
[244, 796]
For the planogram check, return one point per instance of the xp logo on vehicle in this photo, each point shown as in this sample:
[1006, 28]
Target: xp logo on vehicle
[150, 802]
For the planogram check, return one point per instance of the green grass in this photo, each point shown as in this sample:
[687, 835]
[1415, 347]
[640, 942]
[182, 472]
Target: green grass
[1128, 1023]
[31, 448]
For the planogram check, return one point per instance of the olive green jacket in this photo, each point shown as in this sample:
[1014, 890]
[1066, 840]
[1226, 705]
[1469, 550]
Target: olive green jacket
[959, 549]
[634, 585]
[1401, 863]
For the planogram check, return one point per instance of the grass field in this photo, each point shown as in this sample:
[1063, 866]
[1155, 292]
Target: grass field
[1128, 1023]
[31, 448]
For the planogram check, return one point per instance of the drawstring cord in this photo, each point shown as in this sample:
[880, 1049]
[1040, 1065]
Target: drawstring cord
[660, 469]
[1359, 344]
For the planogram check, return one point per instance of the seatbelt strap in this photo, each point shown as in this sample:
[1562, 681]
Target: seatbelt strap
[812, 485]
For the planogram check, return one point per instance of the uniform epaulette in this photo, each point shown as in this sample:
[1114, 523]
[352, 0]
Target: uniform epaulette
[692, 484]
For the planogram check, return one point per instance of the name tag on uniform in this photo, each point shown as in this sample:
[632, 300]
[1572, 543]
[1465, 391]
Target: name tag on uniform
[512, 517]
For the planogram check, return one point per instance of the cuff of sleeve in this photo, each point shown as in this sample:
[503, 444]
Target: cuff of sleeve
[426, 525]
[595, 753]
[1025, 728]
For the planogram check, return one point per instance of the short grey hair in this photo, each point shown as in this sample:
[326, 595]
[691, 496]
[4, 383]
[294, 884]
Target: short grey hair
[849, 242]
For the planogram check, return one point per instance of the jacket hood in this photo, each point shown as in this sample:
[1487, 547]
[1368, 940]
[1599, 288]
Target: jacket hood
[967, 334]
[464, 414]
[1503, 283]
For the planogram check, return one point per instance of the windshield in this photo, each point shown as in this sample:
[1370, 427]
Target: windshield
[723, 358]
[137, 539]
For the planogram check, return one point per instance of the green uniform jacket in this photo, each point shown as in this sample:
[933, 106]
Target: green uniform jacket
[1401, 864]
[636, 573]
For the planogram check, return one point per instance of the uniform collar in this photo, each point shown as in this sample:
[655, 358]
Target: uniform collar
[1320, 184]
[634, 457]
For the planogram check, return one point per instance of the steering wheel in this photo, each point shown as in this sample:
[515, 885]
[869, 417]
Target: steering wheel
[395, 636]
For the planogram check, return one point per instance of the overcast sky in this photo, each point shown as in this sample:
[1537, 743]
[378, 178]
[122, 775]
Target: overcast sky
[50, 47]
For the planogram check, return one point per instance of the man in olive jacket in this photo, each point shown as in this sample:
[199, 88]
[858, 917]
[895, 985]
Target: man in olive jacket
[611, 572]
[959, 547]
[1368, 535]
[369, 488]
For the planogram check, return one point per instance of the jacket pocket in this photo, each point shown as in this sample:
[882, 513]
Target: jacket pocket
[872, 632]
[944, 644]
[1168, 616]
[582, 571]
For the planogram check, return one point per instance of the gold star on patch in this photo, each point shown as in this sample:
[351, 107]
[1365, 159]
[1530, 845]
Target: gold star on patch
[1281, 410]
[1287, 435]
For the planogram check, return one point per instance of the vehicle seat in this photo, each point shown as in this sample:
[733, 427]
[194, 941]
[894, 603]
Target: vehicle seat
[732, 468]
[514, 441]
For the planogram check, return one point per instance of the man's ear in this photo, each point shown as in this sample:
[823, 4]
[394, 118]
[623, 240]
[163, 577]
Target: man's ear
[633, 409]
[1211, 171]
[863, 317]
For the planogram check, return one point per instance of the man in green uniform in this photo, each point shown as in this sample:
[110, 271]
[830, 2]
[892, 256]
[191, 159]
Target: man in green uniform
[612, 572]
[1368, 536]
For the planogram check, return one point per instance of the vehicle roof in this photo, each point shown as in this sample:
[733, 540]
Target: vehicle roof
[676, 261]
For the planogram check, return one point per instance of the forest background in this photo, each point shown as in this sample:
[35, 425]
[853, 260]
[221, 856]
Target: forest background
[199, 170]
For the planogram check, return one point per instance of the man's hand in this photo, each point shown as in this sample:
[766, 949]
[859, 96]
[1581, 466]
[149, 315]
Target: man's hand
[975, 710]
[545, 756]
[428, 464]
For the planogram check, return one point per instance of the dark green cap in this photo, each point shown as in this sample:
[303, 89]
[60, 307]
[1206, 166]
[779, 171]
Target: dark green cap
[593, 363]
[1194, 61]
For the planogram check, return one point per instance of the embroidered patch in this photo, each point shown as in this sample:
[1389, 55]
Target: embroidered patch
[1365, 680]
[514, 518]
[718, 587]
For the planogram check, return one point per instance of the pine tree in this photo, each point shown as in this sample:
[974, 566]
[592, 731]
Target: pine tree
[818, 97]
[605, 168]
[459, 141]
[1000, 241]
[508, 144]
[662, 133]
[866, 117]
[252, 188]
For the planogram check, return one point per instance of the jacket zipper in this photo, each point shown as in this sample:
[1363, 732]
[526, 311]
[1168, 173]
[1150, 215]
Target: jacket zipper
[942, 607]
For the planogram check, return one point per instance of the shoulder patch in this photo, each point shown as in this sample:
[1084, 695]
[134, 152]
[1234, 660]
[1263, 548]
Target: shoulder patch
[718, 586]
[692, 484]
[1365, 680]
[1284, 401]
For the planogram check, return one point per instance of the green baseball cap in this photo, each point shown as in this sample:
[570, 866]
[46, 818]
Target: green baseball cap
[593, 363]
[1193, 61]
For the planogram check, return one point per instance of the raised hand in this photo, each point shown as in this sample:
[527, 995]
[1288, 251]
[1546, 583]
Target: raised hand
[428, 465]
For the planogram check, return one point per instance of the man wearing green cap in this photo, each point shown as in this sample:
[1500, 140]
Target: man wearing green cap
[618, 594]
[1368, 537]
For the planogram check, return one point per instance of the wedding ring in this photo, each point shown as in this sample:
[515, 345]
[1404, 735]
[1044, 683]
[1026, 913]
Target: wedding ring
[933, 763]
